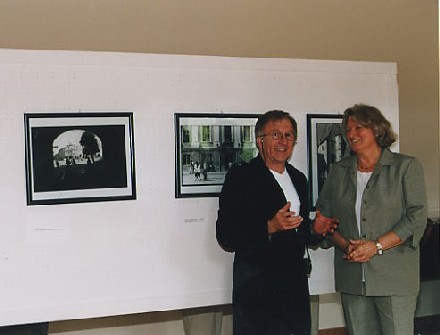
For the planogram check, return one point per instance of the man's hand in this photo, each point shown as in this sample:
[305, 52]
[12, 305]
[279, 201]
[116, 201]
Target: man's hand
[323, 225]
[284, 219]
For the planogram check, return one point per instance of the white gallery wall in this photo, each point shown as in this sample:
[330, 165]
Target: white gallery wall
[156, 252]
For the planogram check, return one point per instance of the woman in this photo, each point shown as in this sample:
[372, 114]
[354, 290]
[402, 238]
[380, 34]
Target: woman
[379, 199]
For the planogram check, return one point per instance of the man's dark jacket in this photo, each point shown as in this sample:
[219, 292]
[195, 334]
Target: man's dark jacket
[270, 294]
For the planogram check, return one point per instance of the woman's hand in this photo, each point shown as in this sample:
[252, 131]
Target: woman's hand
[360, 251]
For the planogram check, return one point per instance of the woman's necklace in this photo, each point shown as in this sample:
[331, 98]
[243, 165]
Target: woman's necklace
[367, 161]
[365, 168]
[369, 167]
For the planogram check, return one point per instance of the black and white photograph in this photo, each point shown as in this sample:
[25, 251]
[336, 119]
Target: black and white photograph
[207, 146]
[79, 157]
[326, 145]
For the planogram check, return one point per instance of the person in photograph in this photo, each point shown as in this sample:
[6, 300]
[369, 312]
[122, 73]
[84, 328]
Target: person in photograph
[263, 217]
[197, 170]
[379, 199]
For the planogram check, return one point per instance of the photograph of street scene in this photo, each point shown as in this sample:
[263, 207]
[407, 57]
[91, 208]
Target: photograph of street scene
[208, 146]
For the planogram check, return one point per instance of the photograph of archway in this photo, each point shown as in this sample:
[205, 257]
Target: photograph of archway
[79, 157]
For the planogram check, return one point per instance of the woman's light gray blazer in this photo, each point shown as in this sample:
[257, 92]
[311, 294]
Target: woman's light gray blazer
[394, 200]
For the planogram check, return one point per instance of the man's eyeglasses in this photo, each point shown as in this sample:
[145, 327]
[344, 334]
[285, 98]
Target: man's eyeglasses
[278, 135]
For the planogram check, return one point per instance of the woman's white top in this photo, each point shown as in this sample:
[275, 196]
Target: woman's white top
[362, 180]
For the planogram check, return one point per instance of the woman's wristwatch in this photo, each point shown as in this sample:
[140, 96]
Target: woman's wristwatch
[379, 248]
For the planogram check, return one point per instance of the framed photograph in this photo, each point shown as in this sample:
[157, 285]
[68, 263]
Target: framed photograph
[207, 145]
[326, 145]
[79, 157]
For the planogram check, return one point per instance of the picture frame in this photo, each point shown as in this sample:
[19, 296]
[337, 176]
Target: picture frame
[207, 145]
[79, 157]
[326, 145]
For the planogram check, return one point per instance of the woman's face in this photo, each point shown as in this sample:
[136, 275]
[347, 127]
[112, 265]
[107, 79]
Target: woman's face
[359, 137]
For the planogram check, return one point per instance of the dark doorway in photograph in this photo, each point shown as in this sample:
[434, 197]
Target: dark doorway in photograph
[67, 158]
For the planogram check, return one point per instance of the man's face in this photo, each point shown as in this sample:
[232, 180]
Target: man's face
[275, 147]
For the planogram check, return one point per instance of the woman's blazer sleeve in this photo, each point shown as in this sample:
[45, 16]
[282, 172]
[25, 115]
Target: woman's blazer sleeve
[414, 217]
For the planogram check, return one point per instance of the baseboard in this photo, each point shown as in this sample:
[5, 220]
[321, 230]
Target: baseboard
[333, 331]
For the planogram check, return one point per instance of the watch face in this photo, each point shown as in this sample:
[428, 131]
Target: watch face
[379, 248]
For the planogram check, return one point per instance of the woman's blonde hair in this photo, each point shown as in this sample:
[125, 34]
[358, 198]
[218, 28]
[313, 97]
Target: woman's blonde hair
[371, 117]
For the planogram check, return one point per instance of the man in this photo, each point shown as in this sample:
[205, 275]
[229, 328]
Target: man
[264, 218]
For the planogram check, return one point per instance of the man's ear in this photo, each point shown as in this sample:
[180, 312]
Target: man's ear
[260, 143]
